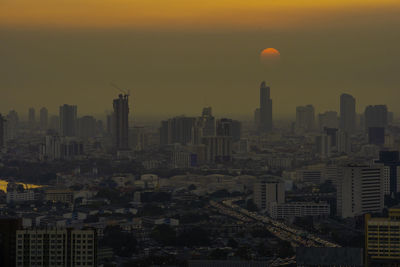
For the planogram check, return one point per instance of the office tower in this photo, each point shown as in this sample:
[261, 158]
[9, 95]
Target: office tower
[12, 125]
[218, 148]
[305, 119]
[391, 160]
[376, 116]
[121, 122]
[323, 145]
[208, 122]
[31, 118]
[68, 120]
[8, 229]
[268, 190]
[2, 131]
[343, 142]
[265, 108]
[328, 119]
[87, 126]
[177, 130]
[360, 190]
[54, 123]
[347, 113]
[44, 115]
[382, 239]
[56, 247]
[138, 139]
[376, 136]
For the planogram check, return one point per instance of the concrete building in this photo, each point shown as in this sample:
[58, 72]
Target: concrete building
[59, 195]
[2, 131]
[56, 247]
[347, 113]
[305, 119]
[68, 120]
[121, 122]
[376, 116]
[299, 209]
[218, 148]
[382, 245]
[328, 119]
[265, 124]
[12, 125]
[31, 118]
[268, 190]
[323, 145]
[391, 160]
[360, 190]
[87, 127]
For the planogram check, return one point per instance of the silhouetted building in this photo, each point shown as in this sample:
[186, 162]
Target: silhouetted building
[207, 122]
[218, 148]
[347, 113]
[68, 120]
[305, 119]
[229, 127]
[31, 118]
[265, 108]
[121, 122]
[12, 125]
[44, 118]
[8, 229]
[177, 130]
[391, 159]
[54, 124]
[328, 119]
[87, 127]
[376, 135]
[376, 116]
[268, 190]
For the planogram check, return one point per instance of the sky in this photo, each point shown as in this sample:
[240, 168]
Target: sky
[177, 56]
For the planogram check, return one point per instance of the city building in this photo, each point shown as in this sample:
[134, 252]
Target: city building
[208, 120]
[229, 127]
[382, 235]
[328, 119]
[87, 127]
[391, 160]
[121, 122]
[31, 118]
[8, 229]
[44, 118]
[376, 136]
[305, 119]
[56, 247]
[298, 209]
[2, 131]
[323, 145]
[218, 148]
[12, 125]
[68, 120]
[59, 195]
[268, 190]
[376, 116]
[329, 257]
[360, 190]
[347, 113]
[177, 130]
[265, 124]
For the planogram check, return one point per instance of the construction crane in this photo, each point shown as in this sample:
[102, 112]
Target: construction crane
[126, 92]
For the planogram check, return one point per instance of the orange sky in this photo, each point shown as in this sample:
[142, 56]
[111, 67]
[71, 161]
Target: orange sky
[174, 13]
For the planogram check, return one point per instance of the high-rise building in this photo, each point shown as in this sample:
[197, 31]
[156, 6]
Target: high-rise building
[229, 127]
[54, 124]
[347, 113]
[177, 130]
[31, 118]
[382, 246]
[360, 190]
[121, 122]
[391, 159]
[68, 120]
[268, 190]
[265, 108]
[87, 126]
[8, 229]
[376, 136]
[376, 116]
[218, 148]
[56, 247]
[12, 125]
[323, 145]
[343, 142]
[44, 117]
[2, 131]
[208, 122]
[305, 119]
[328, 119]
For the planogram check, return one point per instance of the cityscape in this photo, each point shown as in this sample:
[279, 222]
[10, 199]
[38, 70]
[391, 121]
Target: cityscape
[272, 175]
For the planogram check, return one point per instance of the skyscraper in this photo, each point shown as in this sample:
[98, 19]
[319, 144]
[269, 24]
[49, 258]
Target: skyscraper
[265, 108]
[305, 119]
[68, 120]
[12, 125]
[376, 116]
[31, 118]
[328, 119]
[44, 118]
[121, 122]
[347, 113]
[391, 159]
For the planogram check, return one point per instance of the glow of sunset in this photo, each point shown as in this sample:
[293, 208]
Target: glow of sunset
[172, 13]
[270, 56]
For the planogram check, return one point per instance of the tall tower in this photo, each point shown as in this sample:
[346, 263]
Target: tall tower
[347, 113]
[2, 131]
[44, 118]
[121, 122]
[68, 120]
[31, 118]
[265, 108]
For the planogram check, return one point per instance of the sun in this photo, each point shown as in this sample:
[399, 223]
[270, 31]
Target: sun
[270, 55]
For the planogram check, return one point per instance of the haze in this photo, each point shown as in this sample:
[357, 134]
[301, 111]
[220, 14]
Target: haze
[177, 57]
